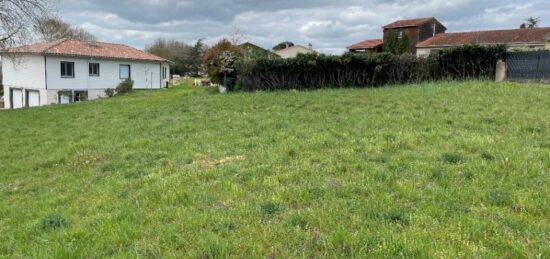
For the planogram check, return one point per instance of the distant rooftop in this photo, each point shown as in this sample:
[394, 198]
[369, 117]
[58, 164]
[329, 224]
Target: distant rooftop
[409, 23]
[367, 44]
[536, 35]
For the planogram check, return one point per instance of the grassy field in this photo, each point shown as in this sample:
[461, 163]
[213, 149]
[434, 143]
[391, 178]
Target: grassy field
[436, 170]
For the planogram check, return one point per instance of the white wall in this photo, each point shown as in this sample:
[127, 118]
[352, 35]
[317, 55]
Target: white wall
[24, 72]
[146, 75]
[423, 52]
[292, 52]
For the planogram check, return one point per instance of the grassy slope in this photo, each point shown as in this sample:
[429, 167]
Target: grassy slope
[438, 170]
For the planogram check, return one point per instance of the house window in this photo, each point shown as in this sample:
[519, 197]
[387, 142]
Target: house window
[80, 96]
[164, 72]
[400, 34]
[67, 69]
[94, 69]
[124, 72]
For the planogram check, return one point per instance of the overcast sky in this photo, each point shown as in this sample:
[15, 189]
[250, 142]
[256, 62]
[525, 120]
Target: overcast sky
[330, 25]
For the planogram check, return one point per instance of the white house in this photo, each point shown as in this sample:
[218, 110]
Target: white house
[67, 70]
[292, 52]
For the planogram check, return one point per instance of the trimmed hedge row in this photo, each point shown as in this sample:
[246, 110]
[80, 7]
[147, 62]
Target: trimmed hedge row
[370, 70]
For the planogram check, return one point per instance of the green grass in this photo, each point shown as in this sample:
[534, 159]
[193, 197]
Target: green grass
[435, 170]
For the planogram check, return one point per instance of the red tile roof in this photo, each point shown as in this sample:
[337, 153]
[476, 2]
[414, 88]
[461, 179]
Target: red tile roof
[536, 35]
[408, 23]
[79, 48]
[367, 44]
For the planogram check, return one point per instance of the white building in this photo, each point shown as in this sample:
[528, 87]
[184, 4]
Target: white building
[65, 71]
[292, 52]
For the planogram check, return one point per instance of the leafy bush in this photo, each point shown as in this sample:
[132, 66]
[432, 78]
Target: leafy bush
[124, 87]
[220, 61]
[53, 222]
[110, 92]
[312, 71]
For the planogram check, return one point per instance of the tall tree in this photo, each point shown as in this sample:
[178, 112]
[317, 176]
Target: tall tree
[220, 61]
[193, 63]
[54, 29]
[17, 19]
[530, 23]
[173, 50]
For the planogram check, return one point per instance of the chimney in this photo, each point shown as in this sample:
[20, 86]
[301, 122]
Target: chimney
[310, 46]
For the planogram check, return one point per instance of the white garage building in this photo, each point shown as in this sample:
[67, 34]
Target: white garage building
[67, 70]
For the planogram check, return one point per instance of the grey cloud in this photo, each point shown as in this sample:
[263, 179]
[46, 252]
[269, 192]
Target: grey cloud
[328, 25]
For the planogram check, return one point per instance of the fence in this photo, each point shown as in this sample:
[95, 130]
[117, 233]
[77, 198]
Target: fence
[532, 65]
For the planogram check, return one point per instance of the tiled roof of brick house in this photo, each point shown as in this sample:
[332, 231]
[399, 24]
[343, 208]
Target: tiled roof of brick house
[533, 36]
[79, 48]
[367, 44]
[408, 23]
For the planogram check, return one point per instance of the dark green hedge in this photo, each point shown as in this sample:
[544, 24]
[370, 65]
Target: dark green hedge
[370, 70]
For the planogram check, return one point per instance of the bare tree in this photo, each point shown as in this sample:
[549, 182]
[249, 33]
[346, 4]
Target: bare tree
[17, 18]
[238, 36]
[54, 29]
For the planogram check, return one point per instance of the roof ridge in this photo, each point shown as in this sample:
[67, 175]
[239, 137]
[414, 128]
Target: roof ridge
[55, 45]
[516, 29]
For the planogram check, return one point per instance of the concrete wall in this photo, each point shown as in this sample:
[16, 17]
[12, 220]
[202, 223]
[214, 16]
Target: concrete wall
[424, 52]
[23, 72]
[547, 46]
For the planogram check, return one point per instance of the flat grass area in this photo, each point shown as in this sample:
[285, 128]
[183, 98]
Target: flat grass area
[439, 170]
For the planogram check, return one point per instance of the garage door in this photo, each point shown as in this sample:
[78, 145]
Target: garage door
[16, 98]
[64, 99]
[33, 98]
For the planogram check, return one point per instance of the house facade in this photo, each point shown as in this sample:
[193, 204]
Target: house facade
[417, 30]
[66, 71]
[428, 34]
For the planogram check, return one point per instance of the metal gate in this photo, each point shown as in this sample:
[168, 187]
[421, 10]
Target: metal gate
[529, 65]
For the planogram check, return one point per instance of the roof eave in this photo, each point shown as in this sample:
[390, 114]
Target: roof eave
[457, 45]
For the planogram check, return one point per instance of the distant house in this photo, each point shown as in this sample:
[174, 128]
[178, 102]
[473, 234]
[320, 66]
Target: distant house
[417, 30]
[292, 52]
[252, 51]
[66, 71]
[428, 34]
[368, 46]
[536, 38]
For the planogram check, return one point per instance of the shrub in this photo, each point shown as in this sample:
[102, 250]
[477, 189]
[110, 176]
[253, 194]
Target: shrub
[124, 87]
[110, 92]
[452, 158]
[220, 61]
[271, 208]
[53, 222]
[313, 71]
